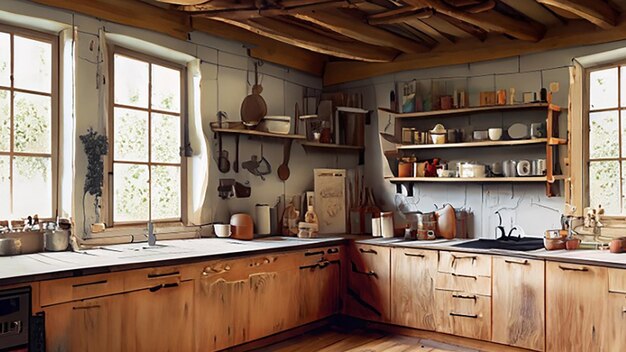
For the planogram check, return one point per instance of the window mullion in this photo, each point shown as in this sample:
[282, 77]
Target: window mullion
[12, 123]
[619, 137]
[150, 141]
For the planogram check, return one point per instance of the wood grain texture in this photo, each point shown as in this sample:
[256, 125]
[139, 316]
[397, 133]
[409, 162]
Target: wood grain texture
[463, 314]
[90, 325]
[368, 292]
[159, 319]
[575, 307]
[615, 333]
[318, 291]
[617, 280]
[469, 264]
[273, 302]
[597, 12]
[77, 288]
[473, 284]
[413, 288]
[518, 301]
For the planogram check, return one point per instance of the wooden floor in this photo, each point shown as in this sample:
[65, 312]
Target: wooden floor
[333, 339]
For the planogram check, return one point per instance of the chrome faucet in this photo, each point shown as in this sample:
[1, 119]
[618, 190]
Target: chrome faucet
[151, 235]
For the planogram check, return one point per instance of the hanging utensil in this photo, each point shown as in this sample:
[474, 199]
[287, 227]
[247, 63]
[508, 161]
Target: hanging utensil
[222, 159]
[253, 107]
[236, 163]
[283, 169]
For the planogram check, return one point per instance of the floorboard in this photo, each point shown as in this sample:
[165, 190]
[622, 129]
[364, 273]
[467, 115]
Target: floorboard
[336, 339]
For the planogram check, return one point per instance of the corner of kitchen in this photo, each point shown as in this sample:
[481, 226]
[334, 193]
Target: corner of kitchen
[218, 175]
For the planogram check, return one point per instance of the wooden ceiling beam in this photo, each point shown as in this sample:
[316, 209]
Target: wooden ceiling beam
[595, 11]
[352, 27]
[476, 32]
[492, 21]
[574, 34]
[264, 48]
[265, 12]
[393, 17]
[304, 38]
[132, 13]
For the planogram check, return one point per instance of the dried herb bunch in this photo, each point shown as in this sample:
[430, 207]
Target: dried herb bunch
[96, 146]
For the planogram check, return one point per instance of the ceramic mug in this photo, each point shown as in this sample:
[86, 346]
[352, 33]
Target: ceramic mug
[495, 134]
[509, 168]
[496, 168]
[523, 168]
[222, 230]
[538, 167]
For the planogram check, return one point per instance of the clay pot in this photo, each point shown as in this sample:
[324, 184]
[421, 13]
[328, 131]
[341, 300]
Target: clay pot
[446, 222]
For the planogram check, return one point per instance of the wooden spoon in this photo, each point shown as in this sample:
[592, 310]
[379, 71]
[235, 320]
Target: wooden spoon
[222, 160]
[283, 169]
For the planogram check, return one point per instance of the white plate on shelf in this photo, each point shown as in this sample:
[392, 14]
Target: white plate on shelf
[519, 131]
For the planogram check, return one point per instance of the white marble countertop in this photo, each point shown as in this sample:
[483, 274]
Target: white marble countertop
[29, 266]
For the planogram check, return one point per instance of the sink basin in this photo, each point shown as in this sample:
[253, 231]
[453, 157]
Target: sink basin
[521, 244]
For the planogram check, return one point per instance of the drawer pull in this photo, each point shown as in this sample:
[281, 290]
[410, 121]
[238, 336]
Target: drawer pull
[367, 251]
[455, 258]
[308, 254]
[473, 297]
[322, 264]
[414, 255]
[333, 250]
[86, 307]
[462, 275]
[209, 270]
[525, 262]
[473, 316]
[101, 282]
[157, 276]
[565, 268]
[158, 287]
[367, 273]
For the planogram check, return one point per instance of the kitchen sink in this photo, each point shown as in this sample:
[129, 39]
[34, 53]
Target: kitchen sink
[513, 244]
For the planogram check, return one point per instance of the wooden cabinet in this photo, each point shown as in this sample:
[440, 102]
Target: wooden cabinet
[368, 292]
[615, 333]
[413, 287]
[575, 307]
[519, 302]
[87, 326]
[463, 295]
[159, 318]
[319, 288]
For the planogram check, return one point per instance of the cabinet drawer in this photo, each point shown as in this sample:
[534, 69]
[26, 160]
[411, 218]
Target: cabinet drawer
[78, 288]
[315, 256]
[617, 280]
[461, 314]
[369, 282]
[151, 277]
[464, 263]
[480, 285]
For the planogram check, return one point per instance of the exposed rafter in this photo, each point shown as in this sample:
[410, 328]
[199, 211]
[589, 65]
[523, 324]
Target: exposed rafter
[393, 16]
[349, 26]
[597, 12]
[308, 39]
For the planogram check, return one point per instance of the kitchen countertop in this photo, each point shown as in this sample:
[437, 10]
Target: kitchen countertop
[52, 265]
[580, 256]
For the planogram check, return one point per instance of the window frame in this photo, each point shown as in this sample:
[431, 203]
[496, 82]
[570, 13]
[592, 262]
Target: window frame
[586, 111]
[109, 185]
[53, 40]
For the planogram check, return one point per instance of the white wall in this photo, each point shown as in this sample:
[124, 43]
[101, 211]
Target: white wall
[525, 205]
[226, 71]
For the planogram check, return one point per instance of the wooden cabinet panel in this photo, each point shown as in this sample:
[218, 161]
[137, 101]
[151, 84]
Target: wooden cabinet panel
[575, 307]
[480, 285]
[86, 326]
[464, 263]
[615, 333]
[519, 302]
[617, 280]
[151, 277]
[368, 291]
[221, 308]
[319, 288]
[160, 318]
[413, 287]
[77, 288]
[461, 314]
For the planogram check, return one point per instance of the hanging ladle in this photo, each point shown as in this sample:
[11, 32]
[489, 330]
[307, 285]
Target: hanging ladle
[283, 169]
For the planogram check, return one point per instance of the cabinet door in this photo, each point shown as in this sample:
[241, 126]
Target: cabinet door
[273, 302]
[412, 287]
[616, 311]
[221, 312]
[368, 291]
[519, 302]
[319, 287]
[463, 314]
[575, 307]
[90, 325]
[160, 318]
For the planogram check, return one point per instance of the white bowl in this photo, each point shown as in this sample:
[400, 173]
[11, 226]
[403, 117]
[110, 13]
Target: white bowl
[438, 138]
[275, 124]
[495, 134]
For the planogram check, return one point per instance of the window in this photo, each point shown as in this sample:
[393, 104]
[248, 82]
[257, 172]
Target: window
[28, 118]
[606, 147]
[146, 139]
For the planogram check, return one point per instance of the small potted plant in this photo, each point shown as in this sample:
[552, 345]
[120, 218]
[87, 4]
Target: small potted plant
[96, 146]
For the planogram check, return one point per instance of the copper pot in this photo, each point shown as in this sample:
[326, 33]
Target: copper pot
[446, 222]
[242, 226]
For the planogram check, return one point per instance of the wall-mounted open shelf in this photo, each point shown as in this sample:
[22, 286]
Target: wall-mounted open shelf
[255, 133]
[474, 179]
[465, 111]
[474, 144]
[330, 147]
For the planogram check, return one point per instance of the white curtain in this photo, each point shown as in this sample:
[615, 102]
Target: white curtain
[197, 164]
[65, 192]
